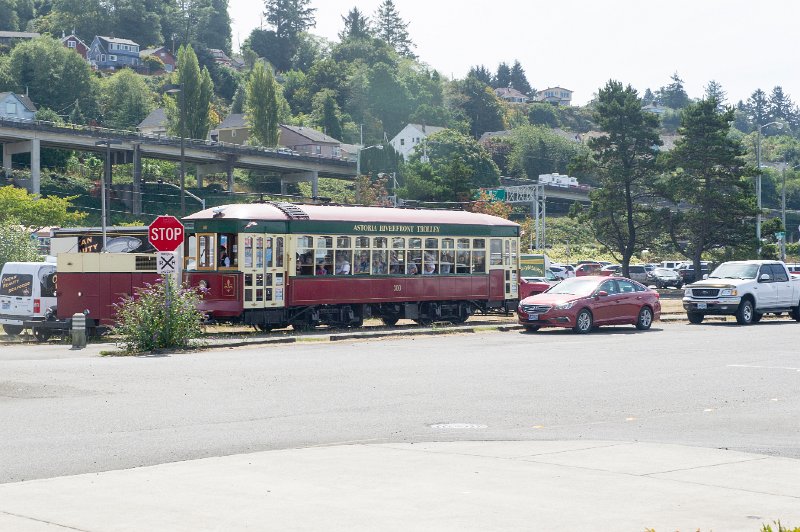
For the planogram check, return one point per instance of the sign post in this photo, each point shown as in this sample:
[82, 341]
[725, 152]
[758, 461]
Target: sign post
[166, 235]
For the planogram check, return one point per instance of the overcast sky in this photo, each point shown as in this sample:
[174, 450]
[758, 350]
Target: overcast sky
[581, 44]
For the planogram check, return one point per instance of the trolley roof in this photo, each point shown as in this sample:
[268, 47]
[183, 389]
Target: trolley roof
[338, 213]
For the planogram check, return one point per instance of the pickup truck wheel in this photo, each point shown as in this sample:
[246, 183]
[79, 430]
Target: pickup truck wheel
[757, 317]
[795, 313]
[745, 313]
[695, 317]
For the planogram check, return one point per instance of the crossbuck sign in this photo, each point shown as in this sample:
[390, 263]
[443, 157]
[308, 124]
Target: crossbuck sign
[166, 262]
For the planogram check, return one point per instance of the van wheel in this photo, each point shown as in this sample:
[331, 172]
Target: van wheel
[745, 313]
[13, 330]
[41, 335]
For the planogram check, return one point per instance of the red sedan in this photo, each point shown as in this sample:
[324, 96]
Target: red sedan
[581, 303]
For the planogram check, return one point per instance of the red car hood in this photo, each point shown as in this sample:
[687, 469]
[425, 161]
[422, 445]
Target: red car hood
[550, 299]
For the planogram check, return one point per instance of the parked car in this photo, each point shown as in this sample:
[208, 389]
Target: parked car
[570, 269]
[672, 264]
[687, 273]
[609, 270]
[664, 277]
[745, 289]
[637, 272]
[581, 303]
[559, 271]
[794, 268]
[588, 268]
[529, 286]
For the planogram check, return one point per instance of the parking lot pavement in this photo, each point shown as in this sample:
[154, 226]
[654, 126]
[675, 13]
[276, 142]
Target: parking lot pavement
[496, 485]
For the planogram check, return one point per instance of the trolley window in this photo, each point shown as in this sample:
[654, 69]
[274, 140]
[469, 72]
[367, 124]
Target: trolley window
[305, 255]
[248, 252]
[496, 248]
[362, 255]
[259, 252]
[430, 264]
[414, 258]
[447, 257]
[278, 252]
[478, 255]
[462, 256]
[344, 256]
[205, 252]
[228, 251]
[323, 257]
[190, 253]
[397, 257]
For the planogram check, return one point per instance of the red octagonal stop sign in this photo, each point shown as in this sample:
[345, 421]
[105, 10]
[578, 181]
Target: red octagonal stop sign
[165, 233]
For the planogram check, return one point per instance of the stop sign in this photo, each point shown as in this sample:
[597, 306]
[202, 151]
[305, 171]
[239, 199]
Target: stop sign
[165, 233]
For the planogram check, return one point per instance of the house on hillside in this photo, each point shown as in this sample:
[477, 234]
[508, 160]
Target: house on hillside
[164, 54]
[511, 95]
[309, 141]
[10, 38]
[109, 53]
[411, 136]
[154, 124]
[221, 58]
[233, 129]
[74, 43]
[16, 106]
[556, 95]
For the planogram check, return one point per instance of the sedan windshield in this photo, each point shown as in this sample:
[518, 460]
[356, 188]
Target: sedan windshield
[733, 270]
[579, 286]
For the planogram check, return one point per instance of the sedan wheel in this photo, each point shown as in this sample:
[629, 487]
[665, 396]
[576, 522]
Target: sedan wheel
[583, 323]
[645, 319]
[531, 328]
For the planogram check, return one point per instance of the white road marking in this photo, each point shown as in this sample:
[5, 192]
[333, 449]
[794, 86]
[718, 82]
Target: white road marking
[761, 367]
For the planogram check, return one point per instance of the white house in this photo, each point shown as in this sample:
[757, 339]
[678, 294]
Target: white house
[410, 136]
[16, 106]
[511, 95]
[557, 95]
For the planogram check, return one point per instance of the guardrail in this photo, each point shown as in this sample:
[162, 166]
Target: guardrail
[166, 140]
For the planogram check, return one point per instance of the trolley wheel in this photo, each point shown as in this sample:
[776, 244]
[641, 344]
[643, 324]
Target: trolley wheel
[389, 321]
[12, 330]
[262, 327]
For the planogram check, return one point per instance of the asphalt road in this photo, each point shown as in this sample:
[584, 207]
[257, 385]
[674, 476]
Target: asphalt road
[715, 385]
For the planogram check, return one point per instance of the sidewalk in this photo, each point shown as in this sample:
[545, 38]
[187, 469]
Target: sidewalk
[540, 485]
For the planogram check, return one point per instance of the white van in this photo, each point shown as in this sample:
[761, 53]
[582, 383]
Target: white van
[27, 290]
[672, 264]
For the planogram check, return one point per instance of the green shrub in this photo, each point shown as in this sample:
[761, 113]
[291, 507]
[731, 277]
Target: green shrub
[163, 315]
[781, 528]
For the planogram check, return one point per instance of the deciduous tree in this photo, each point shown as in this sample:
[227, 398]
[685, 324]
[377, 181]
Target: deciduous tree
[262, 106]
[198, 89]
[125, 100]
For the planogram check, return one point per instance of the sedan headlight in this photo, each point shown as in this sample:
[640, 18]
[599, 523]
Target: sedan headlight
[565, 306]
[729, 292]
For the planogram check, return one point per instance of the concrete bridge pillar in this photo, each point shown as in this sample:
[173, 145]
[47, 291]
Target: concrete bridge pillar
[229, 170]
[311, 176]
[28, 146]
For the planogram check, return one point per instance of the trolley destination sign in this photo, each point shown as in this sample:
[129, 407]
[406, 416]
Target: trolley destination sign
[380, 228]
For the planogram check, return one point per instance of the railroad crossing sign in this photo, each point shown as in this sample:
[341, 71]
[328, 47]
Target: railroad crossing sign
[165, 233]
[166, 262]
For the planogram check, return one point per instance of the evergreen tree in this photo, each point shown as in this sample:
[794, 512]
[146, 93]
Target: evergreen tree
[238, 102]
[624, 162]
[9, 19]
[503, 77]
[356, 26]
[707, 180]
[480, 106]
[781, 106]
[714, 91]
[757, 108]
[391, 29]
[25, 13]
[648, 98]
[480, 73]
[198, 89]
[131, 19]
[674, 95]
[289, 17]
[262, 106]
[518, 79]
[326, 113]
[214, 29]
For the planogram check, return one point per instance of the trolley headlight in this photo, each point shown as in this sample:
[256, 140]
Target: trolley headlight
[729, 292]
[565, 306]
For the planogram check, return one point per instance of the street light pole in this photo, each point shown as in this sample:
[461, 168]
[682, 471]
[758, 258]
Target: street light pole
[178, 89]
[783, 210]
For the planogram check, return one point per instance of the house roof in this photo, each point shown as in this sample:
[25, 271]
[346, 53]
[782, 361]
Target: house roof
[509, 92]
[234, 121]
[72, 36]
[489, 134]
[552, 89]
[157, 117]
[428, 130]
[151, 51]
[19, 35]
[118, 41]
[311, 134]
[27, 102]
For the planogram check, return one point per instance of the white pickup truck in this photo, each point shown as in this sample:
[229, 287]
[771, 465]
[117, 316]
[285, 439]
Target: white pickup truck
[745, 289]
